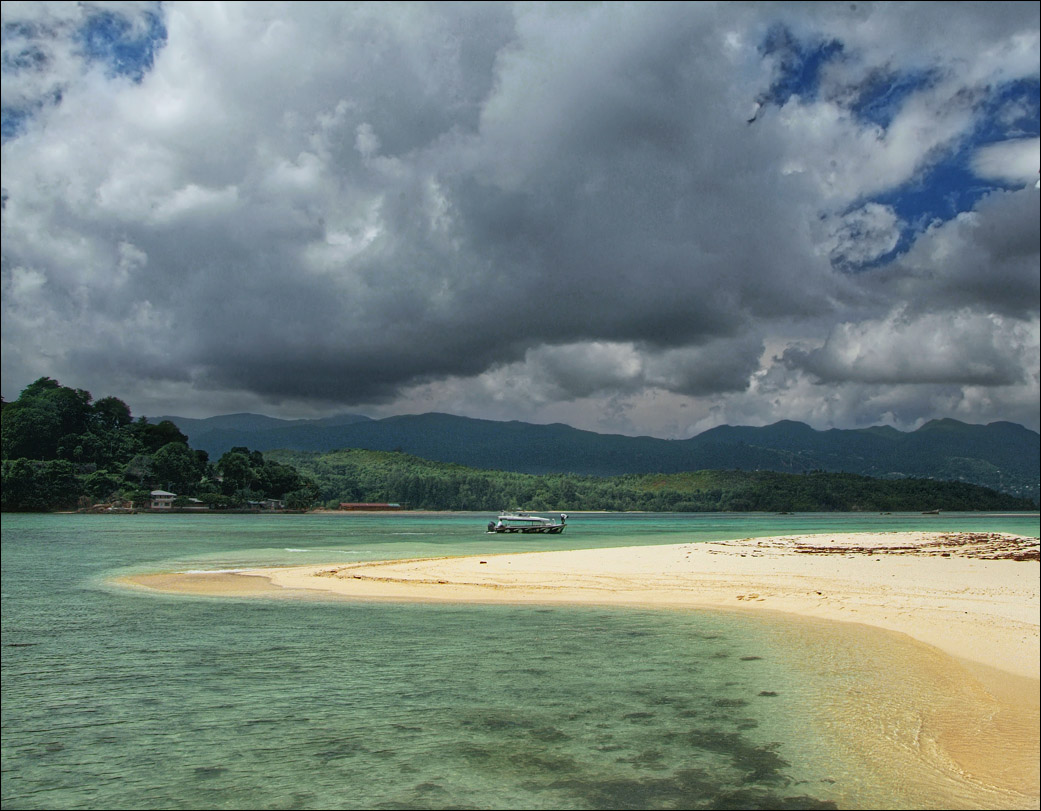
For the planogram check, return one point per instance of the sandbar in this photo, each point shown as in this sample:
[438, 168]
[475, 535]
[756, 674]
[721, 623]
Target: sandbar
[975, 597]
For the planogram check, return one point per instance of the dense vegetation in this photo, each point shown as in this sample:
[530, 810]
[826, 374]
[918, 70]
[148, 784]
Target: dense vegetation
[63, 450]
[363, 475]
[60, 449]
[1001, 455]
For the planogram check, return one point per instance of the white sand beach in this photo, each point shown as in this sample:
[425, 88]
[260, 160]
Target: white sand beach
[975, 597]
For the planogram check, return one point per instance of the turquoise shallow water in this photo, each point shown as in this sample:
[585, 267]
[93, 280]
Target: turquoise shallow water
[113, 698]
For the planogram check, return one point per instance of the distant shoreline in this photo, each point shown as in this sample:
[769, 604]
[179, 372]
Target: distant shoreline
[491, 513]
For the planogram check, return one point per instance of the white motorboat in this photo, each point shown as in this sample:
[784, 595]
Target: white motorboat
[527, 523]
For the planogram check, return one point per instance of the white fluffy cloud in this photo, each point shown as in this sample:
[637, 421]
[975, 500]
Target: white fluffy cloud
[1016, 161]
[863, 235]
[961, 348]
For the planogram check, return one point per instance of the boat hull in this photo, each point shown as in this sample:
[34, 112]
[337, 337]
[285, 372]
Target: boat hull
[554, 530]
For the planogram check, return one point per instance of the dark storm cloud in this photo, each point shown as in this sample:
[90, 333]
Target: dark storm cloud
[990, 259]
[617, 205]
[338, 204]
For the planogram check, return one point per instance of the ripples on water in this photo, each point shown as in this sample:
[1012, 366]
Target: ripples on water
[125, 700]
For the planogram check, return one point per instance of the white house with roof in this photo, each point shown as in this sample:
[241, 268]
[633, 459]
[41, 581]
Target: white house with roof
[162, 500]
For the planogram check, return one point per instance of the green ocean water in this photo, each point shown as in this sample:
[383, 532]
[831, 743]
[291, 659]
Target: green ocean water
[114, 698]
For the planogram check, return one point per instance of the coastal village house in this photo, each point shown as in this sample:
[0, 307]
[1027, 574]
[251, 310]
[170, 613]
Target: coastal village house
[164, 500]
[268, 504]
[161, 500]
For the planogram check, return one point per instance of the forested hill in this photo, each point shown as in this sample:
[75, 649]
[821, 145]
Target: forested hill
[1002, 455]
[61, 449]
[380, 476]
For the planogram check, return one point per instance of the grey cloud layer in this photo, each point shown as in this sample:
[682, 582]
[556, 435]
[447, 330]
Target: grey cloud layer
[341, 203]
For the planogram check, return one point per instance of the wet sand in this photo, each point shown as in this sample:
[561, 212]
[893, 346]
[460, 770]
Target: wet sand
[972, 598]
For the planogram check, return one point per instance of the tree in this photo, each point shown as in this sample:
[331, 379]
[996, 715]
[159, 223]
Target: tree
[51, 423]
[236, 471]
[139, 469]
[101, 485]
[20, 492]
[110, 414]
[59, 484]
[153, 437]
[71, 407]
[175, 466]
[304, 498]
[28, 432]
[136, 496]
[275, 479]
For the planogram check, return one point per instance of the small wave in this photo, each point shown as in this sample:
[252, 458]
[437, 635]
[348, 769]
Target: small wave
[215, 571]
[291, 549]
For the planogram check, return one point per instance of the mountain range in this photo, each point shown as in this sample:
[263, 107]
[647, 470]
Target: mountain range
[1001, 455]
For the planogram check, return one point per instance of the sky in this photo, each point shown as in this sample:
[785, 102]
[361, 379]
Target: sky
[647, 219]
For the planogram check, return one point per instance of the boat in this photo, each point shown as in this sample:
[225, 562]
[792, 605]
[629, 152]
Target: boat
[527, 523]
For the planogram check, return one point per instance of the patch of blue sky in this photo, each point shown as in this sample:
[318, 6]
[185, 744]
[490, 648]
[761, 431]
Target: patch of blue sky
[106, 37]
[111, 39]
[798, 63]
[1011, 110]
[881, 96]
[944, 191]
[18, 28]
[13, 119]
[947, 189]
[20, 53]
[31, 57]
[949, 186]
[12, 122]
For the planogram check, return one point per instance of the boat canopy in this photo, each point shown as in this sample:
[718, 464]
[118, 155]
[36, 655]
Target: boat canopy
[524, 518]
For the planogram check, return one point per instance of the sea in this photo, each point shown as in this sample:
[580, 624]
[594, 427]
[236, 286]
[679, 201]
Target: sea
[114, 697]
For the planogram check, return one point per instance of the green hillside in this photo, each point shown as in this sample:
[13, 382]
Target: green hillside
[61, 449]
[382, 476]
[1001, 455]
